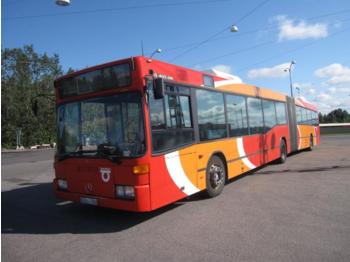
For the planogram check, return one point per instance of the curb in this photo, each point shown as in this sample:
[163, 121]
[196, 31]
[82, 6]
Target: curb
[24, 151]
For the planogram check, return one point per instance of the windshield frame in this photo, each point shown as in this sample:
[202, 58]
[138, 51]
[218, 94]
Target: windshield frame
[80, 154]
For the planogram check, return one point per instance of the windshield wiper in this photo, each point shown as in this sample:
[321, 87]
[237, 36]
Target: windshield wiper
[73, 154]
[108, 151]
[112, 152]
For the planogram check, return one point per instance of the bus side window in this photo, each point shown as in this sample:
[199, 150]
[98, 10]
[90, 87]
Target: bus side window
[270, 119]
[156, 112]
[171, 119]
[298, 113]
[281, 113]
[311, 117]
[315, 120]
[255, 113]
[185, 111]
[211, 115]
[236, 111]
[304, 116]
[177, 109]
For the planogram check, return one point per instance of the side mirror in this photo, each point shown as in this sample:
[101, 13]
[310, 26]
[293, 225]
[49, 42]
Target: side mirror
[158, 88]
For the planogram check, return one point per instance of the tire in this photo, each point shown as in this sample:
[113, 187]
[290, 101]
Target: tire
[215, 176]
[283, 152]
[311, 143]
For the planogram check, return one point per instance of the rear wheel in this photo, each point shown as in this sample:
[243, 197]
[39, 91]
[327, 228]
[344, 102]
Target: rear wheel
[215, 176]
[283, 152]
[311, 143]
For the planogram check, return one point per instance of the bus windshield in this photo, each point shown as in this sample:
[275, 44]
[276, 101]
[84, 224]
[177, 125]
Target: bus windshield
[110, 126]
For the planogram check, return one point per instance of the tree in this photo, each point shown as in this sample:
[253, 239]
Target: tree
[336, 116]
[320, 117]
[27, 95]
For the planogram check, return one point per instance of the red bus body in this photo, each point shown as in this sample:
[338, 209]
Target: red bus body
[166, 178]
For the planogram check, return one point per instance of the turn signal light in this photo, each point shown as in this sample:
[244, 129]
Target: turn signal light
[140, 169]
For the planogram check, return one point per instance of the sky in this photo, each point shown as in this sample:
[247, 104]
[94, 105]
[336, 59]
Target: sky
[196, 34]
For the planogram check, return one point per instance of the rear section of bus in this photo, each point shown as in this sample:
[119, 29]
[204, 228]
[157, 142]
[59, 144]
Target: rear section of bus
[308, 130]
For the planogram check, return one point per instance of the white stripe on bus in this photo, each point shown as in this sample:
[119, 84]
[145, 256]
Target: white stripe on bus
[178, 175]
[299, 137]
[242, 154]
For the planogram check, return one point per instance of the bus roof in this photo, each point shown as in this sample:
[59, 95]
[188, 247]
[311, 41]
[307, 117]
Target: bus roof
[223, 82]
[300, 101]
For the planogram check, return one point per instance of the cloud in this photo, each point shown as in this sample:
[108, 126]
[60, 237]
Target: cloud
[269, 72]
[327, 97]
[342, 79]
[334, 90]
[290, 29]
[312, 91]
[304, 85]
[306, 88]
[223, 68]
[328, 102]
[332, 70]
[337, 74]
[323, 97]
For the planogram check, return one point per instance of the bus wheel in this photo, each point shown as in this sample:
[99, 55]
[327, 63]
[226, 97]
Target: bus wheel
[283, 153]
[311, 143]
[215, 177]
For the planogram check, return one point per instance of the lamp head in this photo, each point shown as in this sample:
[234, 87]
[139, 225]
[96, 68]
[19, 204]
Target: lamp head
[63, 2]
[234, 29]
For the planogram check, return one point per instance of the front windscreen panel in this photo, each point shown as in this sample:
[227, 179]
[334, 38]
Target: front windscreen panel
[94, 81]
[102, 127]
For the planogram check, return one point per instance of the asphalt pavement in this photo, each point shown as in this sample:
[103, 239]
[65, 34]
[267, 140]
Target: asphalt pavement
[298, 211]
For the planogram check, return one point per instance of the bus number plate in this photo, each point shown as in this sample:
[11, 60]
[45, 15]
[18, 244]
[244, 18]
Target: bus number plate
[88, 201]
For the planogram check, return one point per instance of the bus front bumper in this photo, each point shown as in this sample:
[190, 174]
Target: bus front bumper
[141, 203]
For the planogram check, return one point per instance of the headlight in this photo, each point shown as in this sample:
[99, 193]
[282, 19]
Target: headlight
[129, 192]
[126, 192]
[62, 184]
[120, 191]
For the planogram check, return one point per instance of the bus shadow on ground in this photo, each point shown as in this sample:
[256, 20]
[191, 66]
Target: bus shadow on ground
[304, 170]
[35, 210]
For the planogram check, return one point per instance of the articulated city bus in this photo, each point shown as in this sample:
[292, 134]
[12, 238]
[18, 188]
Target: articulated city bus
[138, 134]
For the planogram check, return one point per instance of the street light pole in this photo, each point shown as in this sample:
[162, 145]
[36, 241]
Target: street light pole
[290, 81]
[290, 76]
[149, 60]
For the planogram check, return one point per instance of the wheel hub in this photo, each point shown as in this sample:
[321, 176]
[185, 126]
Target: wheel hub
[216, 175]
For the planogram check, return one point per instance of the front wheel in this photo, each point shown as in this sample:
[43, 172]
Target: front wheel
[215, 176]
[283, 153]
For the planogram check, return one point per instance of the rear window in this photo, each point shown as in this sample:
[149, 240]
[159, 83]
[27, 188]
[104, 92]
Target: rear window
[105, 78]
